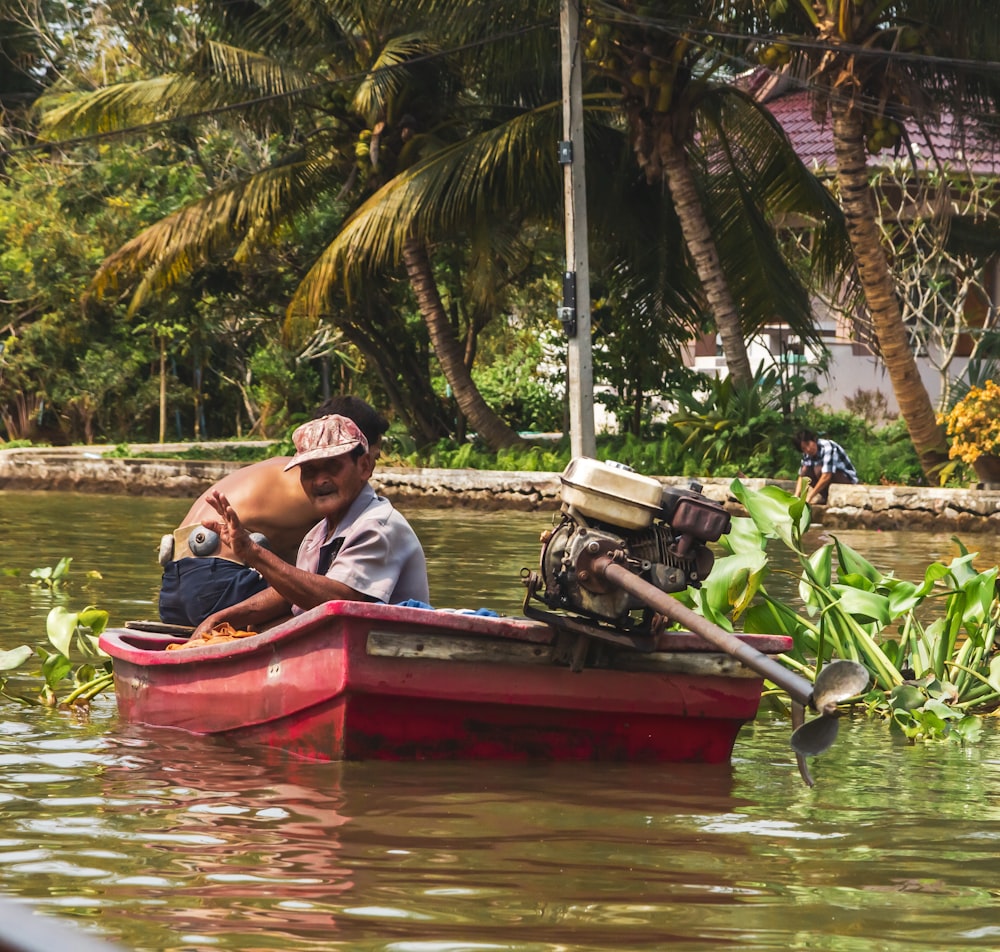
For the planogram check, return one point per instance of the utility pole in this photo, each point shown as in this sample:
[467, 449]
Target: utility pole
[575, 310]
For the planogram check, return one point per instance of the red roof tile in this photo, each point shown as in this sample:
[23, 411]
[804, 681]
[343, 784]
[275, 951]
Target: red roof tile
[814, 141]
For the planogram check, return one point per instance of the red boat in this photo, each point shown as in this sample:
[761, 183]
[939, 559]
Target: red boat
[352, 680]
[586, 678]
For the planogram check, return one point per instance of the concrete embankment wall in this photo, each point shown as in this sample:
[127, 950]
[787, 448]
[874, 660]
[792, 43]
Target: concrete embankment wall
[84, 469]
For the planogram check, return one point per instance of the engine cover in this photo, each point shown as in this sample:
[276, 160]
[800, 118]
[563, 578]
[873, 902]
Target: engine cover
[664, 544]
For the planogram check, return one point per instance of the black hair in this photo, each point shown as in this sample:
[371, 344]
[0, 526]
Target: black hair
[802, 437]
[368, 419]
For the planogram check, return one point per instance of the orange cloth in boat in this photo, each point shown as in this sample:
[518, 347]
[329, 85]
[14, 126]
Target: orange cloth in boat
[218, 635]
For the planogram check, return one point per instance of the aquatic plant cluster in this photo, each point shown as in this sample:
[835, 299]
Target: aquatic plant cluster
[73, 668]
[973, 424]
[930, 646]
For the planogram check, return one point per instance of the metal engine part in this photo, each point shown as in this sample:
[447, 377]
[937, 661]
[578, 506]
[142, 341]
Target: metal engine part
[670, 552]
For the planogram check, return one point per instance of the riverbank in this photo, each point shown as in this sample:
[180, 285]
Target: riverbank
[85, 469]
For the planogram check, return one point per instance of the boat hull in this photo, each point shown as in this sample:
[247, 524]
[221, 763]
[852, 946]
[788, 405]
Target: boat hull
[360, 681]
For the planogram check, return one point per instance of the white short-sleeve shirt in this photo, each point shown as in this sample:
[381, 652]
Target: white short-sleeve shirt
[373, 550]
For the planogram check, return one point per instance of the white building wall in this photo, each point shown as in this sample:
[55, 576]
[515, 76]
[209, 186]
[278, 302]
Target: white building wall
[846, 374]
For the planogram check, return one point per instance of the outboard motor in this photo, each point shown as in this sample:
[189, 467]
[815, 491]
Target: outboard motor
[660, 531]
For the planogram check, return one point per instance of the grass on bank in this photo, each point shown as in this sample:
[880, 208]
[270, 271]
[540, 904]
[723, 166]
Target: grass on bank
[881, 455]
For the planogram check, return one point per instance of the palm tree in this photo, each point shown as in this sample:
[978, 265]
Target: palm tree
[416, 148]
[362, 90]
[874, 64]
[688, 128]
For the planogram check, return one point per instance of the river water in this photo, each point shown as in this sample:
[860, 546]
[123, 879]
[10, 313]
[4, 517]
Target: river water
[158, 840]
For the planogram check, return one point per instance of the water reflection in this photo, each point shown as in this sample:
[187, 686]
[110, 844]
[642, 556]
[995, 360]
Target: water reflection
[298, 851]
[167, 841]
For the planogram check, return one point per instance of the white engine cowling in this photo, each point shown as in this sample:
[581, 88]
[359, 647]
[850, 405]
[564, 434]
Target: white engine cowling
[662, 532]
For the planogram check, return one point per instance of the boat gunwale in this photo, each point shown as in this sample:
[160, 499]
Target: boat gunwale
[121, 642]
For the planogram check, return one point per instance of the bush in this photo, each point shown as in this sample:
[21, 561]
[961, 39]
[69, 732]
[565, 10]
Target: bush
[881, 456]
[973, 424]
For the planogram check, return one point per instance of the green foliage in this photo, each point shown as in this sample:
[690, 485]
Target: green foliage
[727, 429]
[57, 222]
[930, 646]
[881, 456]
[662, 457]
[279, 380]
[51, 576]
[73, 668]
[512, 386]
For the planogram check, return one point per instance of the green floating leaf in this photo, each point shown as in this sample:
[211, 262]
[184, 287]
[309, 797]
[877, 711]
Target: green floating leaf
[734, 581]
[770, 510]
[60, 627]
[773, 618]
[743, 536]
[931, 724]
[852, 563]
[15, 657]
[55, 668]
[903, 596]
[994, 675]
[904, 721]
[968, 730]
[96, 619]
[820, 569]
[935, 572]
[62, 567]
[942, 710]
[868, 606]
[856, 580]
[906, 697]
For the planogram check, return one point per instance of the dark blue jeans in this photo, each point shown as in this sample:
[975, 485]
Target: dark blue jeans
[192, 589]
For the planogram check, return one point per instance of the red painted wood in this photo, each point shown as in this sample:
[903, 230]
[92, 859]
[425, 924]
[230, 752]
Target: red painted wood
[310, 687]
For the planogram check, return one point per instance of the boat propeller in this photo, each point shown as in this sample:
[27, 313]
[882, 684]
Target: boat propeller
[836, 682]
[626, 539]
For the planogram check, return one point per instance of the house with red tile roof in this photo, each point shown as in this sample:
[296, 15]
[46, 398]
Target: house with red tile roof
[854, 366]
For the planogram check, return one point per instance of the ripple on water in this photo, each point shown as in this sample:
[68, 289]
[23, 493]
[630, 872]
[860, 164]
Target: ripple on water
[166, 841]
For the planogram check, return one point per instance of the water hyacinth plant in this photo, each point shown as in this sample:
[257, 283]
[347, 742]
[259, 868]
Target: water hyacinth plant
[930, 646]
[74, 669]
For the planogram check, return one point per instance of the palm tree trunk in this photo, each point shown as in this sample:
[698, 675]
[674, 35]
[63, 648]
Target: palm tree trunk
[860, 211]
[487, 424]
[701, 245]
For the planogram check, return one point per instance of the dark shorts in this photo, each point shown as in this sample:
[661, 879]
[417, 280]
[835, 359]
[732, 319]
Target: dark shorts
[814, 472]
[192, 589]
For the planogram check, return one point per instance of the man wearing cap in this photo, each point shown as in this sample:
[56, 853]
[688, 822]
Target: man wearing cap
[362, 549]
[201, 575]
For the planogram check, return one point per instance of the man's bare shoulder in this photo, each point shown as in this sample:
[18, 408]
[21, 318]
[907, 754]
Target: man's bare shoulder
[263, 495]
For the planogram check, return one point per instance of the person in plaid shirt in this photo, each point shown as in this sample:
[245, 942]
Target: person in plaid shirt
[823, 462]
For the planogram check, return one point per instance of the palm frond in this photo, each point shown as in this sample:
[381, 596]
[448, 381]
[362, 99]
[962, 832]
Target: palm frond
[388, 75]
[755, 179]
[512, 165]
[246, 211]
[114, 107]
[247, 71]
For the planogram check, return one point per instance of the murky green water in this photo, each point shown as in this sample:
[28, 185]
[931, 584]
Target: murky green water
[163, 841]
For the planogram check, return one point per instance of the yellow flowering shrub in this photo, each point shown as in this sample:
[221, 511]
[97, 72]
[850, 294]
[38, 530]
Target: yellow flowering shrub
[973, 424]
